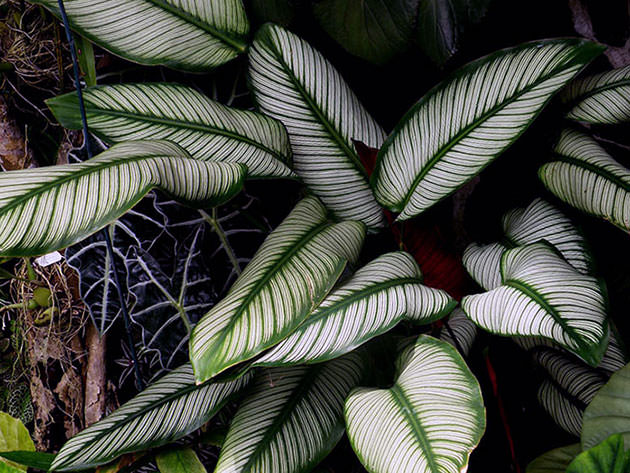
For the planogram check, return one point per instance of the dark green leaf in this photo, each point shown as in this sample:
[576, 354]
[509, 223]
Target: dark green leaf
[607, 457]
[181, 460]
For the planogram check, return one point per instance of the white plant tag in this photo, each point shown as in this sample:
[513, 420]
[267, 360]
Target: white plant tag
[50, 258]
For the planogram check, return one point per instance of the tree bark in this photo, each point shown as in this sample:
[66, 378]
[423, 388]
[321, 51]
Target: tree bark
[95, 376]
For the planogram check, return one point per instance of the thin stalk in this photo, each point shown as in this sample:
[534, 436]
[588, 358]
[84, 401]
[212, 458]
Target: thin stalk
[105, 231]
[213, 221]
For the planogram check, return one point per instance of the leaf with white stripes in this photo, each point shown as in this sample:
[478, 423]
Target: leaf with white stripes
[569, 390]
[295, 84]
[584, 175]
[183, 34]
[206, 129]
[459, 331]
[609, 411]
[46, 209]
[292, 419]
[543, 295]
[539, 221]
[169, 409]
[285, 281]
[464, 123]
[427, 422]
[601, 98]
[554, 461]
[378, 296]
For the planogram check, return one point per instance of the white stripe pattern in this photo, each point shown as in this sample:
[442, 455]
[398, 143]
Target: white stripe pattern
[428, 422]
[463, 124]
[372, 302]
[463, 328]
[292, 419]
[286, 280]
[49, 208]
[191, 35]
[602, 98]
[539, 221]
[572, 389]
[169, 409]
[584, 175]
[295, 84]
[543, 295]
[206, 129]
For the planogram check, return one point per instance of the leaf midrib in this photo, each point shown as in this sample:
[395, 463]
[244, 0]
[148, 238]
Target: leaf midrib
[228, 39]
[190, 125]
[323, 120]
[600, 171]
[466, 130]
[406, 410]
[531, 293]
[308, 380]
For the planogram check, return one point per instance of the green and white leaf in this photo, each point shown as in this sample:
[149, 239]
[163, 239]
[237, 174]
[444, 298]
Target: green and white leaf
[167, 410]
[294, 83]
[46, 209]
[179, 460]
[285, 281]
[607, 457]
[428, 421]
[465, 122]
[584, 175]
[538, 221]
[464, 330]
[187, 35]
[609, 411]
[378, 296]
[13, 437]
[600, 99]
[569, 390]
[543, 295]
[292, 419]
[554, 461]
[206, 129]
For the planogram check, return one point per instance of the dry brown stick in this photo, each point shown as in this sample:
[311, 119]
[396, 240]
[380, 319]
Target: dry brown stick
[95, 376]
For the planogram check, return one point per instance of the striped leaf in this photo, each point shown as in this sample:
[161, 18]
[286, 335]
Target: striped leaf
[291, 420]
[187, 35]
[462, 329]
[49, 208]
[373, 301]
[464, 123]
[569, 390]
[609, 411]
[287, 278]
[554, 461]
[584, 175]
[539, 221]
[602, 98]
[429, 421]
[543, 295]
[167, 410]
[206, 129]
[293, 83]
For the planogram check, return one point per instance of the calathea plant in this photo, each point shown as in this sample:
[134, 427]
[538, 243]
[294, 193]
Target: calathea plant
[291, 340]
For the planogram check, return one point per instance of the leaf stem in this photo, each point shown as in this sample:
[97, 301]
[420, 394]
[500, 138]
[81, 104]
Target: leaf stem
[213, 221]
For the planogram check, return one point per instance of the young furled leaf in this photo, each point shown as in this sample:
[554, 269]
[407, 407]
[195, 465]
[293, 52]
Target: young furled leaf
[539, 221]
[376, 298]
[191, 36]
[543, 295]
[465, 122]
[428, 421]
[294, 83]
[584, 175]
[208, 130]
[285, 281]
[600, 99]
[46, 209]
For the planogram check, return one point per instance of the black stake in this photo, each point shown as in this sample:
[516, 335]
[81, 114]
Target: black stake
[108, 240]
